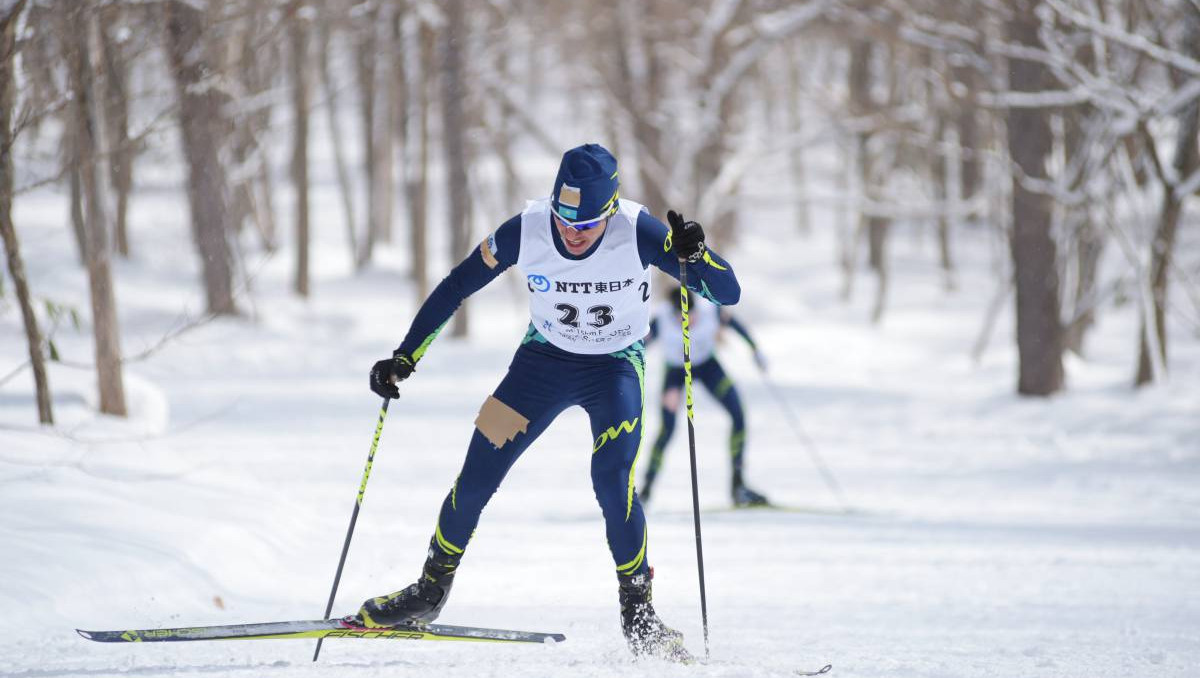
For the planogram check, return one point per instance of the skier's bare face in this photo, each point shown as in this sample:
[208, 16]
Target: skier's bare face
[576, 241]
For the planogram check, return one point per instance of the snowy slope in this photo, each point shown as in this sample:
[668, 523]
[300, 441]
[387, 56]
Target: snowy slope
[988, 535]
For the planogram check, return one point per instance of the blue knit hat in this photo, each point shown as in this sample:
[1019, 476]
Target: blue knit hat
[585, 189]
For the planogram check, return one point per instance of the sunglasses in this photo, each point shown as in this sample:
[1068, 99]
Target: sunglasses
[585, 224]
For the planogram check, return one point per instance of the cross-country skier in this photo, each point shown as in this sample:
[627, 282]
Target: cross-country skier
[705, 322]
[584, 253]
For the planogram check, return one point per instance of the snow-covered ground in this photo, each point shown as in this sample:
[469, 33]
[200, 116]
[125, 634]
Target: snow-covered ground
[987, 535]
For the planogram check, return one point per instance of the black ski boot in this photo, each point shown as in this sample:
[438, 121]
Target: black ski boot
[644, 631]
[744, 496]
[417, 603]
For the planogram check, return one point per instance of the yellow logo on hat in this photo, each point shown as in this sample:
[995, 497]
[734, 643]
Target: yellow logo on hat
[569, 196]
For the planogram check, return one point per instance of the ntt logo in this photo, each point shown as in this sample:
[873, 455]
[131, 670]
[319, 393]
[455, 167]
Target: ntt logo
[538, 283]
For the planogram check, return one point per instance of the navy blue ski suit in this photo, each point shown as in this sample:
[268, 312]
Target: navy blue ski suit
[543, 380]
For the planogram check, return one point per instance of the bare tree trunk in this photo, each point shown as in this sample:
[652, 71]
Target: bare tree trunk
[264, 206]
[70, 157]
[1039, 330]
[263, 188]
[71, 160]
[203, 129]
[863, 103]
[1083, 238]
[967, 127]
[1089, 243]
[421, 81]
[83, 54]
[333, 115]
[948, 182]
[385, 122]
[298, 48]
[71, 163]
[40, 60]
[877, 234]
[410, 130]
[793, 98]
[850, 226]
[1186, 162]
[116, 116]
[502, 131]
[857, 165]
[8, 232]
[367, 59]
[453, 39]
[877, 229]
[253, 65]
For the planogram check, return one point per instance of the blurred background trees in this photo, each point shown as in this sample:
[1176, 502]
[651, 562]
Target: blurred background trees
[1050, 124]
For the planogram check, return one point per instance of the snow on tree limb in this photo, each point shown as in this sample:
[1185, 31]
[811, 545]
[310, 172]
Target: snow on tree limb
[1043, 99]
[771, 28]
[1176, 100]
[1132, 41]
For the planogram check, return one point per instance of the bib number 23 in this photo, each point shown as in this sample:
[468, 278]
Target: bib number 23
[601, 315]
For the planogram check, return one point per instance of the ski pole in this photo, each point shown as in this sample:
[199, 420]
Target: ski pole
[687, 387]
[807, 442]
[362, 489]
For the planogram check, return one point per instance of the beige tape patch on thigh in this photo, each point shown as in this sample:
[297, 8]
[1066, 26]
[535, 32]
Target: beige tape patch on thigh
[499, 423]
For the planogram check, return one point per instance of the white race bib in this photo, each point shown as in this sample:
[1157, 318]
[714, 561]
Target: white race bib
[595, 305]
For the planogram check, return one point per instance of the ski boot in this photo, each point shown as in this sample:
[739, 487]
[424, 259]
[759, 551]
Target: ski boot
[418, 603]
[744, 497]
[644, 631]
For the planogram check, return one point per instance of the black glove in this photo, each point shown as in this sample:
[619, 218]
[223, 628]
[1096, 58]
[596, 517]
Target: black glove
[385, 374]
[687, 238]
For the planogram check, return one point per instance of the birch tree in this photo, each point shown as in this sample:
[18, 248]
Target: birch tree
[298, 58]
[419, 47]
[451, 43]
[116, 118]
[10, 13]
[203, 129]
[253, 67]
[83, 58]
[325, 33]
[1179, 182]
[1039, 333]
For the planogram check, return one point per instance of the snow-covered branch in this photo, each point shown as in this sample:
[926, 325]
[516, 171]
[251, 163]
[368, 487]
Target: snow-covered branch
[1043, 99]
[1130, 40]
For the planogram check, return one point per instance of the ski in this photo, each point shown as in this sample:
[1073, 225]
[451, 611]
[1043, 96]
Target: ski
[346, 627]
[824, 669]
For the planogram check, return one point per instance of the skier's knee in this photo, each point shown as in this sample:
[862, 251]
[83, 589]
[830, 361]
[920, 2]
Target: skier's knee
[613, 502]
